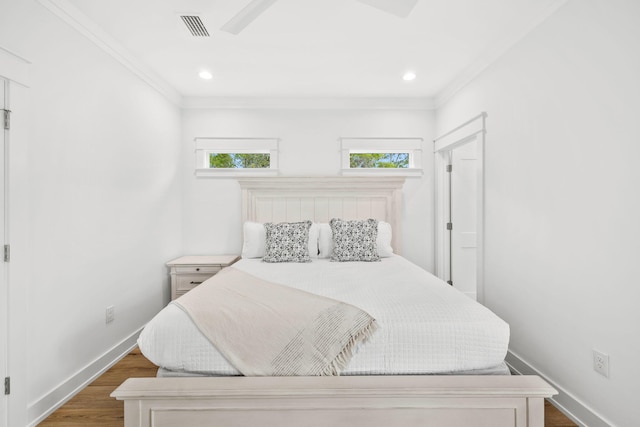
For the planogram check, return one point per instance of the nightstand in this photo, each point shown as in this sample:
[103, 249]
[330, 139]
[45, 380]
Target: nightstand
[187, 272]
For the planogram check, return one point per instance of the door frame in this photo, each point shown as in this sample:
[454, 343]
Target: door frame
[14, 69]
[4, 279]
[473, 129]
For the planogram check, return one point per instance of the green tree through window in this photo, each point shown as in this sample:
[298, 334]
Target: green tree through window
[239, 160]
[379, 160]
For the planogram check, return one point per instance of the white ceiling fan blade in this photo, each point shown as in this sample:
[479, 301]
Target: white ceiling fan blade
[246, 16]
[400, 8]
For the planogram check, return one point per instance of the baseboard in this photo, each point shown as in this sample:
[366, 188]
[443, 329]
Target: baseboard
[45, 406]
[577, 411]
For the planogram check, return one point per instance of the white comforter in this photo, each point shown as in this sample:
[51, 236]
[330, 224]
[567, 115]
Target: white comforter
[424, 325]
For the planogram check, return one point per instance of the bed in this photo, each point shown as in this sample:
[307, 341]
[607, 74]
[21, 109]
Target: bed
[434, 366]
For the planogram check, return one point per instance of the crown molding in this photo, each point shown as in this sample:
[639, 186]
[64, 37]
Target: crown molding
[14, 67]
[308, 103]
[492, 55]
[85, 26]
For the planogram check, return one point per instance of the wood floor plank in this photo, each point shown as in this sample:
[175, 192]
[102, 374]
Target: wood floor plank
[554, 418]
[93, 407]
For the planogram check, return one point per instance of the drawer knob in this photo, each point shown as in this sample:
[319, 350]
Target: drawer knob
[198, 269]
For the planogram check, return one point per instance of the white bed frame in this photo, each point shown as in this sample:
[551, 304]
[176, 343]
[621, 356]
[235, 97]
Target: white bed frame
[443, 401]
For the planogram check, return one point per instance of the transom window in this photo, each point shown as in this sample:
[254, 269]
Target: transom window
[236, 156]
[239, 160]
[378, 160]
[378, 156]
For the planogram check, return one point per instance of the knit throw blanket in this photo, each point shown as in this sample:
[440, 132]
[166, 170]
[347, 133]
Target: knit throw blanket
[267, 329]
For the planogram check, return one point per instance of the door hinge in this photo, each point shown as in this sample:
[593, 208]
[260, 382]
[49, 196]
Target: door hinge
[6, 114]
[7, 385]
[449, 168]
[449, 226]
[7, 253]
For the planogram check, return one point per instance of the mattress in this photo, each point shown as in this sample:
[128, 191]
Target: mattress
[425, 326]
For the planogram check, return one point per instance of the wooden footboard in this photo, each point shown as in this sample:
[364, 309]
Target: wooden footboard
[491, 401]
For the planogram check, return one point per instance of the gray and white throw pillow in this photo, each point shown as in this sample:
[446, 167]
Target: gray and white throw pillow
[287, 242]
[354, 240]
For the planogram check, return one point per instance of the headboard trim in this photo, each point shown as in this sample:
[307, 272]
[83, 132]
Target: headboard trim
[351, 198]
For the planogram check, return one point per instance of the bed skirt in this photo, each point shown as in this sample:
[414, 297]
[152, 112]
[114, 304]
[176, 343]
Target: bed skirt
[501, 369]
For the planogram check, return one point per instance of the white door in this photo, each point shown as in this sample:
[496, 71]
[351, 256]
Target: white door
[459, 213]
[464, 218]
[4, 292]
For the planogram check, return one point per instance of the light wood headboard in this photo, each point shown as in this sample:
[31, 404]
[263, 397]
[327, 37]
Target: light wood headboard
[288, 199]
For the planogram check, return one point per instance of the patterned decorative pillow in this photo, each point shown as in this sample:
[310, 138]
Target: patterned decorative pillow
[354, 240]
[287, 242]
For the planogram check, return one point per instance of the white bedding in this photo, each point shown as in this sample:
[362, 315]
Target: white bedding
[424, 325]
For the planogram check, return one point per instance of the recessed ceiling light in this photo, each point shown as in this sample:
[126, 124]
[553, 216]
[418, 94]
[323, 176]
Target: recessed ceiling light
[206, 75]
[408, 76]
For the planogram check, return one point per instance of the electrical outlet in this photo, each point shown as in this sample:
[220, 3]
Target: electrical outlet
[110, 314]
[601, 363]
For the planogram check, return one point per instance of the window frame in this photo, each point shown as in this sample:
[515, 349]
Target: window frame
[410, 145]
[204, 146]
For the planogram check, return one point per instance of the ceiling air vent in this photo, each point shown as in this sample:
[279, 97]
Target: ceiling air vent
[195, 25]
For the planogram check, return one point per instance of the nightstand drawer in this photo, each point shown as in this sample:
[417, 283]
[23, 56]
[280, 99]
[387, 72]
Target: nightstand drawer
[187, 272]
[186, 282]
[198, 269]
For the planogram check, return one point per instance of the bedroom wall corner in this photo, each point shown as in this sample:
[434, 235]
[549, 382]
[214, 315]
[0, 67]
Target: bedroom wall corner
[561, 199]
[44, 406]
[575, 409]
[100, 190]
[309, 146]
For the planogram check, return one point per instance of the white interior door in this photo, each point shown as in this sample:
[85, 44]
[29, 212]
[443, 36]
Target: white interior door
[459, 200]
[464, 216]
[4, 291]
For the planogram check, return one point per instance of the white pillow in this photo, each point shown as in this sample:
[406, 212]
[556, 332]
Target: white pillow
[383, 241]
[255, 240]
[314, 235]
[325, 240]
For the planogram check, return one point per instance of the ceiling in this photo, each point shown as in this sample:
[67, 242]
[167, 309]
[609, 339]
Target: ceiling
[315, 48]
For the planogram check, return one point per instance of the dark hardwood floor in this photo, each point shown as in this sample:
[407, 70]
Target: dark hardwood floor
[93, 407]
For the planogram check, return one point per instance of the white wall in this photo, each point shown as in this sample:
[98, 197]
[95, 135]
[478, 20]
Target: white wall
[562, 199]
[110, 196]
[309, 146]
[102, 213]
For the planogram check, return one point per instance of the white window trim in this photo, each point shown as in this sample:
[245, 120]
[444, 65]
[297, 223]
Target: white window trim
[413, 146]
[206, 145]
